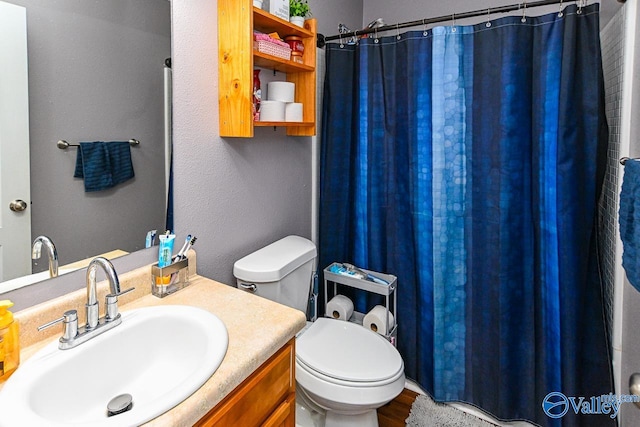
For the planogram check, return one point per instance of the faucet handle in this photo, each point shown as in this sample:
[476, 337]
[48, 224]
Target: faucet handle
[70, 322]
[111, 303]
[113, 298]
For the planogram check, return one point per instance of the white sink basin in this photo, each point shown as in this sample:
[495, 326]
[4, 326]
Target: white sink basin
[158, 355]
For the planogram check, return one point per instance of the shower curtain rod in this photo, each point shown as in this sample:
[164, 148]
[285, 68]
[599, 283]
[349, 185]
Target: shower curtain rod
[483, 12]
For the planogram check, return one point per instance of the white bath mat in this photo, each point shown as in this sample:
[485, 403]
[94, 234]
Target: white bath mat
[427, 413]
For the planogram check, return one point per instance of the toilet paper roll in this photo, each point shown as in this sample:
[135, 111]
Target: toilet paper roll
[272, 111]
[376, 320]
[340, 307]
[281, 91]
[293, 112]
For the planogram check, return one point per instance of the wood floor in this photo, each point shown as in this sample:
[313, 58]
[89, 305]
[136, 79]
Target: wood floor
[395, 412]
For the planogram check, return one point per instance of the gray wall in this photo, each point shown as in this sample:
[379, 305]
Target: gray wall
[331, 13]
[95, 73]
[234, 194]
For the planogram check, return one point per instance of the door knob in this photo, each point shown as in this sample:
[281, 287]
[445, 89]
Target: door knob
[18, 205]
[634, 386]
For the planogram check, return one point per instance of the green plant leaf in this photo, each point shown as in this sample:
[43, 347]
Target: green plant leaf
[299, 8]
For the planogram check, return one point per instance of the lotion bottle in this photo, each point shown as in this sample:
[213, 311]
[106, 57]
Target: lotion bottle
[9, 341]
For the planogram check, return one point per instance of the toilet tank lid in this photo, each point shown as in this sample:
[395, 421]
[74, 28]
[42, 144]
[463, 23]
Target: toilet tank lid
[275, 261]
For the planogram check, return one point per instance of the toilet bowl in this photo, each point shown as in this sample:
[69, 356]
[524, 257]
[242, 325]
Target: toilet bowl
[348, 371]
[344, 372]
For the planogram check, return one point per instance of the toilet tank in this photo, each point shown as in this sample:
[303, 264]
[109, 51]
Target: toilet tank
[281, 271]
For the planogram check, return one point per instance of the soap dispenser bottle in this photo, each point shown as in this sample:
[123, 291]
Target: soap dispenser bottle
[9, 341]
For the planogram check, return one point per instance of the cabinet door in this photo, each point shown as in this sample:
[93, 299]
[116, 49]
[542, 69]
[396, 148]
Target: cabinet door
[284, 415]
[260, 398]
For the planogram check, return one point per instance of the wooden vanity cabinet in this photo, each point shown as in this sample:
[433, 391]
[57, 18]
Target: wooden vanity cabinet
[265, 398]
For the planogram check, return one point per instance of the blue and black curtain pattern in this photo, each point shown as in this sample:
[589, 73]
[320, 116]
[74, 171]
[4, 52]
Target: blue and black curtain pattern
[467, 161]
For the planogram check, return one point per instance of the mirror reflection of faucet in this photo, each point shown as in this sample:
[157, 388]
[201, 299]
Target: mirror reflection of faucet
[36, 252]
[73, 336]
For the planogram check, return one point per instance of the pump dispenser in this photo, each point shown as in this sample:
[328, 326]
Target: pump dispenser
[9, 341]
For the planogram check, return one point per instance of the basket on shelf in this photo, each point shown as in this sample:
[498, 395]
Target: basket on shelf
[272, 49]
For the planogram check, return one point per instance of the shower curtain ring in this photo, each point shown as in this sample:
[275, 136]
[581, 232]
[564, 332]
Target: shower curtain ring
[425, 32]
[341, 42]
[488, 24]
[581, 4]
[560, 13]
[453, 23]
[375, 35]
[524, 12]
[398, 32]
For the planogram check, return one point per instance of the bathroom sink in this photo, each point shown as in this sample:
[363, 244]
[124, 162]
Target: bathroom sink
[158, 355]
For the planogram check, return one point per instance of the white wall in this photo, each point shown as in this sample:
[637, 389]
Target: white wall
[234, 194]
[630, 130]
[613, 46]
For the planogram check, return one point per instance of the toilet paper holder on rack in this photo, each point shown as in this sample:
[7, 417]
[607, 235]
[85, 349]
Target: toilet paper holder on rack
[386, 290]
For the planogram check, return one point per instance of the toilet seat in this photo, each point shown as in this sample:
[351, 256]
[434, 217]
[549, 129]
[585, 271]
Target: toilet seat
[347, 354]
[352, 384]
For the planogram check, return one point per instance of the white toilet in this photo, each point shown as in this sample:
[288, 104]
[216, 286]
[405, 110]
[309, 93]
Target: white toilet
[344, 371]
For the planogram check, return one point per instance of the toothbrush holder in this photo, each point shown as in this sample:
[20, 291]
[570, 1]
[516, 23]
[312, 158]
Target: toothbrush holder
[169, 279]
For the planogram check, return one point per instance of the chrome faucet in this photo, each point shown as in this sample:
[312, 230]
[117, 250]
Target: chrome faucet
[73, 336]
[92, 292]
[36, 252]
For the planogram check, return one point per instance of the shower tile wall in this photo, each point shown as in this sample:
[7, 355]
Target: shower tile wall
[612, 39]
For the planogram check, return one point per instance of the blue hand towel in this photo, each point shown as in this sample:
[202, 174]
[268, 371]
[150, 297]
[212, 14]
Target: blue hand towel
[103, 165]
[629, 220]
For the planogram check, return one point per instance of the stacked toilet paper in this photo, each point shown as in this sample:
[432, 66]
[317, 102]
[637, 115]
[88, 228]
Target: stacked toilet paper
[279, 106]
[272, 111]
[293, 112]
[340, 307]
[376, 320]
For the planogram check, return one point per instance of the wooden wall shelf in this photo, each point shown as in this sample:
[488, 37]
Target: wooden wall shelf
[237, 19]
[284, 124]
[264, 60]
[268, 23]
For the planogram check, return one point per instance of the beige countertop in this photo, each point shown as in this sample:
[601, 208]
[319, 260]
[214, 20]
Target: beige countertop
[257, 328]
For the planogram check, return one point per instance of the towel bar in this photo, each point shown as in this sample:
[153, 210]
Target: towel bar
[63, 145]
[623, 160]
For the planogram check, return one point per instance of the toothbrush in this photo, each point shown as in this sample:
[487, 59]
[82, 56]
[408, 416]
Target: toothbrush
[366, 276]
[191, 243]
[184, 249]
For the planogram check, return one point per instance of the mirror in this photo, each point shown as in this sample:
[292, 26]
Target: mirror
[96, 72]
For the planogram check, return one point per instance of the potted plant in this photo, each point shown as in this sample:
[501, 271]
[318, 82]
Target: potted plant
[298, 10]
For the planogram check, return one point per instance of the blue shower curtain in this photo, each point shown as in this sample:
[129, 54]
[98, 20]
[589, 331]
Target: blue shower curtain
[468, 161]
